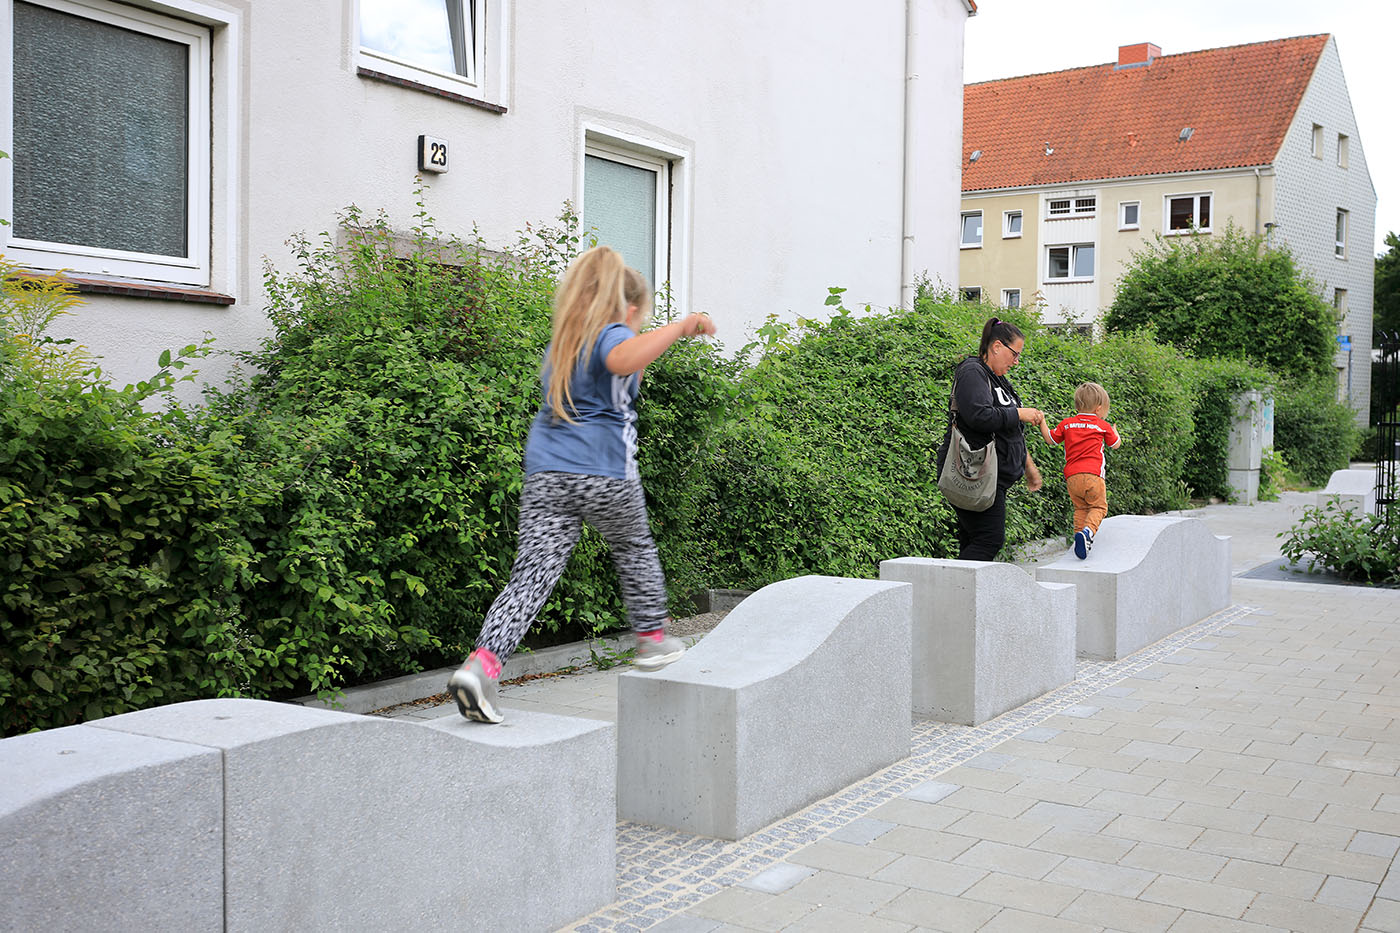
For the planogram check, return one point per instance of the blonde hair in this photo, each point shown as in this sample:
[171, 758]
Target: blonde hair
[1090, 396]
[596, 291]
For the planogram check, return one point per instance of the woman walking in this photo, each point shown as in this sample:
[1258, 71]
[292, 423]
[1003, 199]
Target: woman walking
[581, 465]
[988, 410]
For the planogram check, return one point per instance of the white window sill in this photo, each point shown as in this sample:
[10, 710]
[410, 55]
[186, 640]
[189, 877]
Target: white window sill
[1074, 281]
[1133, 227]
[970, 246]
[1185, 232]
[1011, 236]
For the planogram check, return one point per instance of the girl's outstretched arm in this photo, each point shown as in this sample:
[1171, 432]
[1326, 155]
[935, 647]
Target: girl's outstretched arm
[634, 353]
[1045, 430]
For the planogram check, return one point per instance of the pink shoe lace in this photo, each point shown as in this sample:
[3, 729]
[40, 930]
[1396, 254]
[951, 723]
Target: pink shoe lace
[490, 664]
[652, 636]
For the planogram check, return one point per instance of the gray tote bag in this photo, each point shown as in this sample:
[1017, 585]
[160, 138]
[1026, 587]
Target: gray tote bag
[969, 477]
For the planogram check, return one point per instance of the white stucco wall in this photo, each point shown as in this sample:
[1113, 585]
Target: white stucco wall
[1309, 191]
[788, 121]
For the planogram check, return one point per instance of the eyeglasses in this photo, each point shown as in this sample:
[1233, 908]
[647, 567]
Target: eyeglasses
[1015, 354]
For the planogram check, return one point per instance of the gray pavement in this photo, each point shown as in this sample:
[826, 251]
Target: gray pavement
[1243, 774]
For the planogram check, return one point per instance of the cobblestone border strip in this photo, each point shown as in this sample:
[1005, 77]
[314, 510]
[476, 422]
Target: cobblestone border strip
[664, 872]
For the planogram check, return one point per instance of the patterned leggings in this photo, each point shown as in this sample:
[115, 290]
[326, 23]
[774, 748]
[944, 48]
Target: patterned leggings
[553, 507]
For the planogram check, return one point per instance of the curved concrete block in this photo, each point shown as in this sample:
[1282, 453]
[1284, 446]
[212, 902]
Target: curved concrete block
[802, 690]
[104, 831]
[1146, 577]
[1354, 490]
[986, 636]
[334, 821]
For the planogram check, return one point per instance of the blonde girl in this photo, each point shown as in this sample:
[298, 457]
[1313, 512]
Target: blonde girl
[581, 466]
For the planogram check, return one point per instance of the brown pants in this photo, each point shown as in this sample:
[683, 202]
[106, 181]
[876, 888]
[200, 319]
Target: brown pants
[1090, 497]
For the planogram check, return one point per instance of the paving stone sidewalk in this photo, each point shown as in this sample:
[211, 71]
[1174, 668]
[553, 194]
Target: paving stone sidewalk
[1239, 775]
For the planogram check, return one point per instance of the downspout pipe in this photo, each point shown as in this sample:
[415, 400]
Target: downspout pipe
[1257, 182]
[911, 148]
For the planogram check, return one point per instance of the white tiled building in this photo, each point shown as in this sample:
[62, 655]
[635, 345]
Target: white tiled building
[1066, 174]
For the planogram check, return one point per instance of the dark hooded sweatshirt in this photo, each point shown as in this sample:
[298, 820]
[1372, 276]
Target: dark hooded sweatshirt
[987, 409]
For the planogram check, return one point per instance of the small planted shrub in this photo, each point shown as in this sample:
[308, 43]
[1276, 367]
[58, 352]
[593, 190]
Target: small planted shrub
[1364, 548]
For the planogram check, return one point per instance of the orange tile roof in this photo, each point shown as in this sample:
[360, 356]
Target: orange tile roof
[1109, 122]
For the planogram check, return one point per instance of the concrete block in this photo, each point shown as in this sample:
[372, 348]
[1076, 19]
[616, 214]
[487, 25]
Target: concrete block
[1353, 490]
[802, 690]
[1244, 486]
[341, 822]
[106, 831]
[986, 636]
[1147, 577]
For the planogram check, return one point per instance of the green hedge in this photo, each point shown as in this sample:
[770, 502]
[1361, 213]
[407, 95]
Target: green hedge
[348, 511]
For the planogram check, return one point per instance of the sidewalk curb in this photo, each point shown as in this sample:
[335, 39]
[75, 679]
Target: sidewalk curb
[410, 687]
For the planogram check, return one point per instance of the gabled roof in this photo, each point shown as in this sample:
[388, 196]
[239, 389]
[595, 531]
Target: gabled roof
[1106, 121]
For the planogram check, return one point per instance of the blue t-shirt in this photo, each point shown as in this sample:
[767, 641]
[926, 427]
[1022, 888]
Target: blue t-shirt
[602, 439]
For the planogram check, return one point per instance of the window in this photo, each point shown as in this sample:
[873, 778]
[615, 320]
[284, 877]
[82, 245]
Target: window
[1085, 331]
[1011, 298]
[1343, 150]
[1128, 215]
[1071, 262]
[1010, 224]
[120, 184]
[1341, 244]
[626, 200]
[972, 294]
[1187, 211]
[972, 228]
[458, 46]
[1339, 304]
[1068, 207]
[1317, 141]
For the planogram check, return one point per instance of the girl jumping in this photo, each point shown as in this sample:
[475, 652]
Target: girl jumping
[581, 465]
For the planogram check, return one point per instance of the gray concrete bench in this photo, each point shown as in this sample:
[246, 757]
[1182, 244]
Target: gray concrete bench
[986, 637]
[802, 690]
[243, 815]
[1146, 577]
[1353, 490]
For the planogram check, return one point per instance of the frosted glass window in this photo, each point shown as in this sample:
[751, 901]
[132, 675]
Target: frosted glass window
[101, 134]
[619, 201]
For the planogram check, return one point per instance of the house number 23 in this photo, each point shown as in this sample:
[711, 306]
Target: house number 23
[432, 154]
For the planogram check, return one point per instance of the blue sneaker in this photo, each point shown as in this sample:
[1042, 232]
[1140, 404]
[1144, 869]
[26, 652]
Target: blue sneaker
[1083, 541]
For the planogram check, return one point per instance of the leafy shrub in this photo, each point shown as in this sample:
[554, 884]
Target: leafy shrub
[1226, 295]
[1315, 433]
[1359, 547]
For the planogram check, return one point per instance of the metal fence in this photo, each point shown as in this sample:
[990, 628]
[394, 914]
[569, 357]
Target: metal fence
[1385, 411]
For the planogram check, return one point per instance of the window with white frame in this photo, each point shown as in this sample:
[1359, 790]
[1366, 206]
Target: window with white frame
[1317, 140]
[1010, 224]
[456, 46]
[1188, 211]
[1011, 298]
[972, 293]
[1128, 212]
[1343, 150]
[1072, 261]
[1339, 304]
[971, 228]
[120, 183]
[627, 202]
[1071, 207]
[1340, 246]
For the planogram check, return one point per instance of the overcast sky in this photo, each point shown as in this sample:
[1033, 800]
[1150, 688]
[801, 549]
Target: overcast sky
[1018, 37]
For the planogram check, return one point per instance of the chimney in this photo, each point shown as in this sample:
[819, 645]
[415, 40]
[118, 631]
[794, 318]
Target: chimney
[1132, 56]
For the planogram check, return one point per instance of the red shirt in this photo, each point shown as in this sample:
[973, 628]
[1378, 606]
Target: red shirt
[1084, 437]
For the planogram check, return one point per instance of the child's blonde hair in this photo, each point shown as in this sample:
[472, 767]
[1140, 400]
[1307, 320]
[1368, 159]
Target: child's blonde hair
[596, 291]
[1090, 397]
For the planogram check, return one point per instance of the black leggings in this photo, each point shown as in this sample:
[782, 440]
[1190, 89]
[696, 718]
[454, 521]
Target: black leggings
[981, 534]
